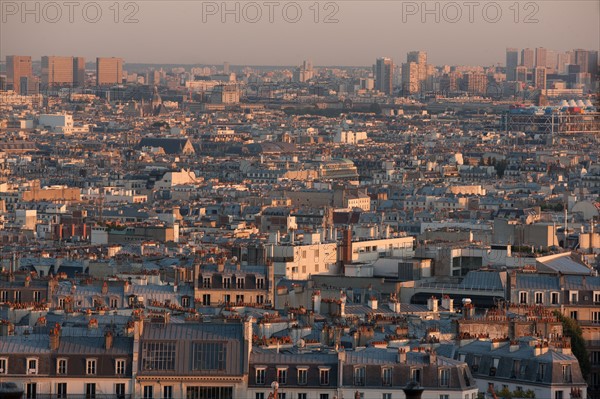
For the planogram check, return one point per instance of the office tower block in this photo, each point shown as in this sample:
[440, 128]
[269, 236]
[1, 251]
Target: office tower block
[539, 77]
[384, 68]
[527, 58]
[582, 59]
[475, 83]
[79, 71]
[57, 71]
[521, 73]
[17, 66]
[410, 78]
[226, 67]
[419, 57]
[541, 57]
[512, 61]
[109, 71]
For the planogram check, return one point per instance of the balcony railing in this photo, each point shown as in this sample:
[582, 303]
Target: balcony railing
[77, 396]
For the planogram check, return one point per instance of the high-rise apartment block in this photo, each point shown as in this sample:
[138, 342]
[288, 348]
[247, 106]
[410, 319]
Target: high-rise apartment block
[528, 57]
[17, 67]
[539, 78]
[109, 71]
[512, 61]
[57, 71]
[384, 68]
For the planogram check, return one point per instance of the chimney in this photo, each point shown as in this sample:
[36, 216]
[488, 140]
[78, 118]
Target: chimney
[105, 288]
[372, 303]
[54, 337]
[317, 302]
[108, 340]
[220, 265]
[126, 287]
[448, 303]
[432, 357]
[432, 304]
[401, 355]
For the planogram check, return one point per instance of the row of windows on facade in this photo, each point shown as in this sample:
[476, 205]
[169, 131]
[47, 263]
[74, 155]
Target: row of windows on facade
[208, 356]
[226, 282]
[62, 390]
[555, 297]
[520, 368]
[16, 296]
[206, 299]
[131, 301]
[359, 376]
[62, 366]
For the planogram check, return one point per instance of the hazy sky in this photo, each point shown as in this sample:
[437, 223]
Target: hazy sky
[193, 32]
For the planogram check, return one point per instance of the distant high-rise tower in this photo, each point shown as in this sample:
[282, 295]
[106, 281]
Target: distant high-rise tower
[17, 66]
[419, 57]
[527, 57]
[521, 73]
[384, 75]
[512, 61]
[79, 71]
[226, 67]
[57, 71]
[410, 78]
[582, 59]
[539, 78]
[541, 57]
[109, 71]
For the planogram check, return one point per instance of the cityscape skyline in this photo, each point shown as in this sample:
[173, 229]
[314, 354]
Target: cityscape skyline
[558, 26]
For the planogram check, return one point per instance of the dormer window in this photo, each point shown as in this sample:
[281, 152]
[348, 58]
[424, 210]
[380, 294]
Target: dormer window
[32, 366]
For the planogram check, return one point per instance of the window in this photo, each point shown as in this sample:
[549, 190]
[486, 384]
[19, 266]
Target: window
[260, 376]
[37, 296]
[541, 373]
[539, 298]
[260, 283]
[302, 376]
[324, 376]
[120, 390]
[226, 282]
[281, 395]
[444, 377]
[597, 297]
[148, 392]
[515, 369]
[3, 365]
[386, 396]
[386, 376]
[239, 299]
[558, 395]
[523, 297]
[444, 396]
[574, 296]
[227, 298]
[573, 314]
[302, 396]
[61, 390]
[359, 376]
[120, 366]
[282, 376]
[566, 372]
[594, 358]
[206, 282]
[554, 298]
[240, 282]
[114, 303]
[475, 364]
[415, 375]
[61, 366]
[259, 395]
[158, 356]
[185, 301]
[324, 396]
[90, 367]
[260, 299]
[3, 296]
[90, 391]
[32, 366]
[208, 356]
[31, 390]
[17, 296]
[596, 317]
[168, 392]
[206, 299]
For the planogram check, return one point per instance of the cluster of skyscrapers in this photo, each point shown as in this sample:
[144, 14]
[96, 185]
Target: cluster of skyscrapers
[535, 65]
[57, 71]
